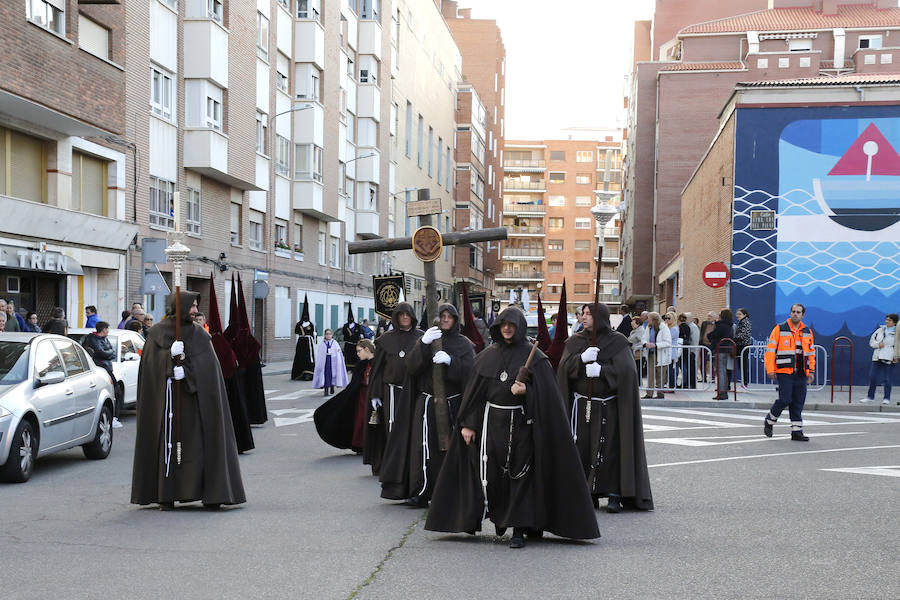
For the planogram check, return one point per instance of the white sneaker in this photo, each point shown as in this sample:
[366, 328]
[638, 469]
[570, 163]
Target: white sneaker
[116, 423]
[886, 402]
[866, 400]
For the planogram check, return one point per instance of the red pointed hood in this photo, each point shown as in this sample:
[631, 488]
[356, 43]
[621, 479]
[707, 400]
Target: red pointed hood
[561, 334]
[543, 334]
[469, 330]
[224, 352]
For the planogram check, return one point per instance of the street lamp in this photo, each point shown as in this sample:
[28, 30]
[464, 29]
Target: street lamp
[602, 212]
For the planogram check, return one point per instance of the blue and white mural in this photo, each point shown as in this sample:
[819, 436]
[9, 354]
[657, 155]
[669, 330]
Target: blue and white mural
[832, 174]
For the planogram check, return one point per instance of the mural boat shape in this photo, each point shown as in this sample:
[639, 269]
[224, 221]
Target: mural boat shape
[862, 191]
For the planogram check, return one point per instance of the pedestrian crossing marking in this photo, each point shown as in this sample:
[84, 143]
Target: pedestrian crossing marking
[305, 415]
[721, 424]
[886, 471]
[296, 395]
[733, 439]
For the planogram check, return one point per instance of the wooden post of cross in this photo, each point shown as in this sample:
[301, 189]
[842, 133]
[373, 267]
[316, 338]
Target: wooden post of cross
[427, 243]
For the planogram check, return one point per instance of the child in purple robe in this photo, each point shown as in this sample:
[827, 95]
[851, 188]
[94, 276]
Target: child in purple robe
[330, 367]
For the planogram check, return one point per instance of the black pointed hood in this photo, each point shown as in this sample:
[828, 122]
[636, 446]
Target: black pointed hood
[403, 307]
[514, 315]
[304, 317]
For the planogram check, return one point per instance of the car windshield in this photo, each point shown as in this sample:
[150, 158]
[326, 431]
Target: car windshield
[13, 362]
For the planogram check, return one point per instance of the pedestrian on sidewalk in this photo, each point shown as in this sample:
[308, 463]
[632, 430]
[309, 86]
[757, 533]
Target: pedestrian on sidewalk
[90, 312]
[657, 343]
[885, 355]
[706, 328]
[675, 351]
[791, 360]
[722, 352]
[743, 337]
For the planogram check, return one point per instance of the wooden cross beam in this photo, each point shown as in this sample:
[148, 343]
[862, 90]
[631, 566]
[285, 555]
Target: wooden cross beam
[434, 245]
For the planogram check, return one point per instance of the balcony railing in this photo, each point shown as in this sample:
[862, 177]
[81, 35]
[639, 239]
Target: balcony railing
[521, 275]
[525, 229]
[514, 163]
[512, 207]
[526, 186]
[523, 252]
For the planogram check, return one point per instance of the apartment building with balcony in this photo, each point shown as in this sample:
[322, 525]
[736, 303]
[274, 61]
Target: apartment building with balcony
[424, 79]
[67, 220]
[699, 52]
[480, 119]
[266, 118]
[549, 189]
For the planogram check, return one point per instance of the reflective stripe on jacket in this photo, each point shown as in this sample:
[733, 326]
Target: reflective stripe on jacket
[785, 343]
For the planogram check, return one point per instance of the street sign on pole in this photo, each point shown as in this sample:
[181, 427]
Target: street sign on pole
[423, 207]
[715, 274]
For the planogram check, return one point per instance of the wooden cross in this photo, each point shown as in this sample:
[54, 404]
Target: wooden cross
[427, 243]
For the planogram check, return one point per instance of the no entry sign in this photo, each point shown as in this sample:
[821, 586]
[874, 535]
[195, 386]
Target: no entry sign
[715, 275]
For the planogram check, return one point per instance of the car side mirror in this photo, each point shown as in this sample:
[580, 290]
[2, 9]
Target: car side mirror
[51, 378]
[130, 356]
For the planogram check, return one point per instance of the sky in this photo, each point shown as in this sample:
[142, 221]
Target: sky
[566, 61]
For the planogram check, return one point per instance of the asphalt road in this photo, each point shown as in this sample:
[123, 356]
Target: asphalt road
[737, 516]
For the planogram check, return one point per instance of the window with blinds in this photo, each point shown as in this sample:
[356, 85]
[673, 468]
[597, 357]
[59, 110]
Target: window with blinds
[22, 157]
[88, 184]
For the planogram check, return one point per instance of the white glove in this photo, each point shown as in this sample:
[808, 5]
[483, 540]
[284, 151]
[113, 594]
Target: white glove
[177, 373]
[432, 334]
[592, 369]
[441, 358]
[177, 348]
[376, 403]
[590, 355]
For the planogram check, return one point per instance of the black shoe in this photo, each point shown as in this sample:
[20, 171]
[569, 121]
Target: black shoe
[417, 502]
[213, 506]
[614, 504]
[166, 506]
[500, 531]
[767, 428]
[798, 436]
[535, 533]
[518, 539]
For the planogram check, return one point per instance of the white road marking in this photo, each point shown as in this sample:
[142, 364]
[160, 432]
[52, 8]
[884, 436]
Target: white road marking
[855, 418]
[719, 424]
[732, 439]
[705, 413]
[305, 416]
[729, 458]
[267, 392]
[888, 471]
[296, 395]
[648, 427]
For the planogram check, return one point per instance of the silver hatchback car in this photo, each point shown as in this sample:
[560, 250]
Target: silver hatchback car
[52, 397]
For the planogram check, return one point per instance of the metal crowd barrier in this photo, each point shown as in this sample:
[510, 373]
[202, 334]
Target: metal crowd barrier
[748, 372]
[677, 374]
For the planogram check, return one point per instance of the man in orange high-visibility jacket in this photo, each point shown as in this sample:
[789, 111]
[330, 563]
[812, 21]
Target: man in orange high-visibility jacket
[791, 359]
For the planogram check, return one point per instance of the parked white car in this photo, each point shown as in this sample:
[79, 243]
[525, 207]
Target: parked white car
[52, 398]
[128, 345]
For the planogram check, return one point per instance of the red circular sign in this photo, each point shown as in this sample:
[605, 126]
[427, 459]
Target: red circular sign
[715, 275]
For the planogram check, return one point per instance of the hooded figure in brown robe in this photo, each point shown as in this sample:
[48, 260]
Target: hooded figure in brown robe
[386, 385]
[608, 429]
[209, 470]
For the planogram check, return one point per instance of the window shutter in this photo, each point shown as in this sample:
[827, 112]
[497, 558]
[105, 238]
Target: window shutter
[27, 165]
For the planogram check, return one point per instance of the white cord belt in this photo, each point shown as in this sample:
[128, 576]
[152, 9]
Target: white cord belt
[426, 451]
[167, 430]
[574, 420]
[391, 405]
[482, 455]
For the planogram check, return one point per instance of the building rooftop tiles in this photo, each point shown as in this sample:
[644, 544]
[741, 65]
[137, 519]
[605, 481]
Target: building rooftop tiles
[705, 66]
[850, 16]
[848, 79]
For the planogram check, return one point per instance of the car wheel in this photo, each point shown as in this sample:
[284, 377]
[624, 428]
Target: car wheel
[100, 447]
[20, 463]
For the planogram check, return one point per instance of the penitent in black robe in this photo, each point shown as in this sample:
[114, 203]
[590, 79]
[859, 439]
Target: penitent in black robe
[335, 417]
[534, 478]
[425, 456]
[209, 470]
[609, 435]
[305, 353]
[386, 384]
